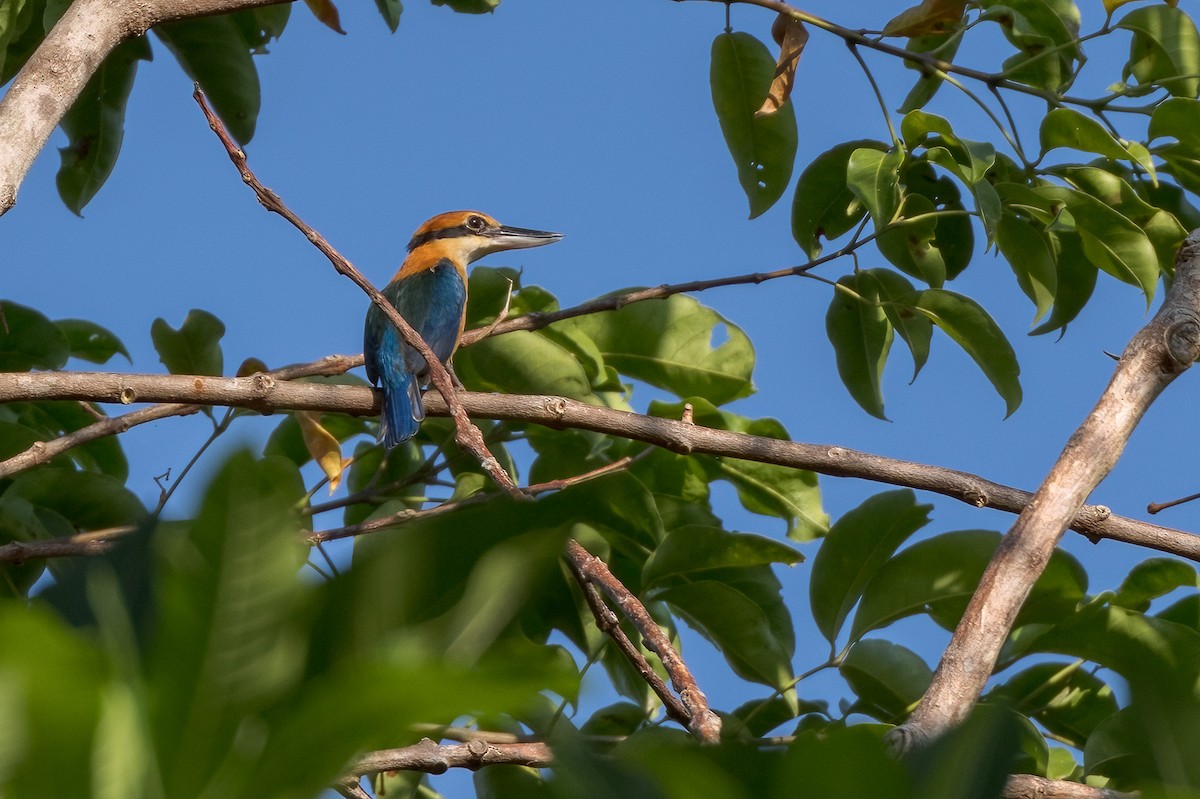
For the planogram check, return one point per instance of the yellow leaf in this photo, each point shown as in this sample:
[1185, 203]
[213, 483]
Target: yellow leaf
[252, 366]
[323, 447]
[791, 35]
[326, 13]
[932, 16]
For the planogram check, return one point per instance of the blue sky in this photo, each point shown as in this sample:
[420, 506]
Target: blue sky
[596, 121]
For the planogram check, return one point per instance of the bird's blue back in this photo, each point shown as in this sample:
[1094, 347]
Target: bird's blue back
[433, 301]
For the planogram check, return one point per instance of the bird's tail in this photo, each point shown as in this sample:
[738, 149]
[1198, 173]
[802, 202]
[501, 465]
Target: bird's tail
[402, 407]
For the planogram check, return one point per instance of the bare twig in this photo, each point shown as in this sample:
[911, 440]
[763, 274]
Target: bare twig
[1161, 351]
[467, 434]
[703, 723]
[265, 394]
[434, 758]
[1027, 786]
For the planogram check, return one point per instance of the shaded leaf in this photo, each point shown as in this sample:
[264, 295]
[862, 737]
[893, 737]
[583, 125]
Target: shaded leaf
[1075, 278]
[888, 678]
[214, 52]
[824, 205]
[763, 147]
[1028, 254]
[970, 326]
[195, 348]
[931, 16]
[522, 362]
[89, 341]
[390, 10]
[1152, 579]
[856, 548]
[28, 340]
[861, 336]
[1066, 127]
[1065, 698]
[896, 295]
[945, 46]
[694, 549]
[95, 125]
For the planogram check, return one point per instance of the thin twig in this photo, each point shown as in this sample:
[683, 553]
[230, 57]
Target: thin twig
[466, 433]
[703, 723]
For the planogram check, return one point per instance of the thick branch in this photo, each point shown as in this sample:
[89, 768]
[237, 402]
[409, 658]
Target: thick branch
[46, 87]
[1159, 353]
[267, 395]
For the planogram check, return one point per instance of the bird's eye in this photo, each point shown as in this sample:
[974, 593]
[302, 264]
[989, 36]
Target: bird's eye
[476, 223]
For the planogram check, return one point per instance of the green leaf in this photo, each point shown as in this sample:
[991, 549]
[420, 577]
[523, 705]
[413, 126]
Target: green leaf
[228, 640]
[1066, 127]
[95, 125]
[214, 52]
[1075, 278]
[193, 349]
[765, 488]
[938, 576]
[824, 205]
[522, 362]
[911, 243]
[1177, 118]
[857, 547]
[1110, 239]
[1165, 50]
[896, 293]
[89, 341]
[861, 336]
[51, 419]
[970, 326]
[888, 678]
[694, 549]
[390, 10]
[259, 26]
[88, 500]
[969, 160]
[28, 340]
[874, 177]
[1065, 698]
[1033, 27]
[1152, 579]
[469, 6]
[945, 45]
[673, 344]
[843, 762]
[972, 760]
[763, 146]
[1028, 254]
[744, 618]
[20, 32]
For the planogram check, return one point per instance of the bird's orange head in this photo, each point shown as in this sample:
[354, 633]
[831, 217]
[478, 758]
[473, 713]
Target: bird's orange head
[466, 236]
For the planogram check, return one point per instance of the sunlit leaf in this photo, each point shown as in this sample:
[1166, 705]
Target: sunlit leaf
[1165, 49]
[323, 447]
[1065, 698]
[1151, 579]
[874, 177]
[327, 14]
[931, 16]
[763, 147]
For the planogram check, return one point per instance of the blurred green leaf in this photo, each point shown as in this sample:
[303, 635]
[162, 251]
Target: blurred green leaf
[287, 440]
[842, 762]
[971, 761]
[1165, 50]
[694, 549]
[1065, 698]
[744, 616]
[214, 52]
[970, 326]
[95, 125]
[861, 335]
[857, 547]
[938, 576]
[1152, 579]
[675, 344]
[887, 678]
[28, 340]
[193, 349]
[89, 500]
[874, 177]
[763, 146]
[89, 341]
[21, 30]
[824, 206]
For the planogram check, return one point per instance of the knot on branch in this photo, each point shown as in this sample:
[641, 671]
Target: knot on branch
[1183, 342]
[976, 496]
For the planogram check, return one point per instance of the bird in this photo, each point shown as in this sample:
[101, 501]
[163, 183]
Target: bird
[430, 292]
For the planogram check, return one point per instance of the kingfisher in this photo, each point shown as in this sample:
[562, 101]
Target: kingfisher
[430, 292]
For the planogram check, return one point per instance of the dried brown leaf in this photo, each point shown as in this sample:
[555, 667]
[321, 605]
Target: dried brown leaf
[326, 13]
[791, 35]
[931, 16]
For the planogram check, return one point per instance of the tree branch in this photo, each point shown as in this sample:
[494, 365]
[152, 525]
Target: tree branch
[268, 395]
[50, 81]
[1160, 352]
